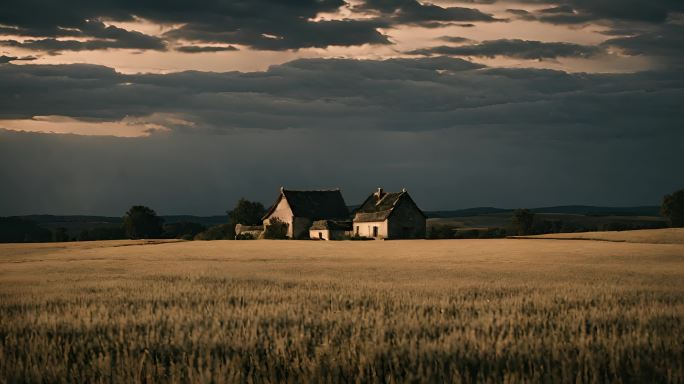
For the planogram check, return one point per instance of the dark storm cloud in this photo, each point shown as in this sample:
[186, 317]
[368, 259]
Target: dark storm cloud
[99, 35]
[201, 174]
[583, 11]
[410, 95]
[260, 24]
[291, 35]
[424, 13]
[665, 41]
[455, 39]
[6, 59]
[203, 48]
[521, 49]
[455, 133]
[54, 46]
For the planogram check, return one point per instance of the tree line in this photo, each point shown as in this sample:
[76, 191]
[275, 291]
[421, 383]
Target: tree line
[141, 222]
[525, 222]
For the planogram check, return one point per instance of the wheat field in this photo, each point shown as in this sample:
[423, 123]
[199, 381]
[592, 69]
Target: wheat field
[653, 236]
[500, 310]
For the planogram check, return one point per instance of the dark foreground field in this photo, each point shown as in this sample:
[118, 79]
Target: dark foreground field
[404, 311]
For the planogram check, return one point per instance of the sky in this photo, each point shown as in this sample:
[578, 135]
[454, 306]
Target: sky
[186, 106]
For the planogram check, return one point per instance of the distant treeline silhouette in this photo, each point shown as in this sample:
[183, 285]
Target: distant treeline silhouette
[141, 222]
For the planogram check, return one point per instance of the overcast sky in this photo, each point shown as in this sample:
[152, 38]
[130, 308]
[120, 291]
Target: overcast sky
[187, 106]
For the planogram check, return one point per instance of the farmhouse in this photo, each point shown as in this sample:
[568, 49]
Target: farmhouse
[389, 215]
[300, 209]
[330, 229]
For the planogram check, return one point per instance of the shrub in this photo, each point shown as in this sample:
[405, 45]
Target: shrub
[18, 230]
[142, 222]
[247, 212]
[673, 208]
[217, 232]
[441, 232]
[523, 219]
[245, 236]
[60, 235]
[275, 229]
[102, 233]
[182, 230]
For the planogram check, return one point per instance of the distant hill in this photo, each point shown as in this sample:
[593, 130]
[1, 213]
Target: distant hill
[587, 210]
[76, 223]
[478, 216]
[204, 220]
[467, 212]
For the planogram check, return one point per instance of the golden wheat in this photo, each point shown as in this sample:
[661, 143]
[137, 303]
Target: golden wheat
[304, 311]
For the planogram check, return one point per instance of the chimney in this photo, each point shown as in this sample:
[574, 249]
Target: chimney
[379, 192]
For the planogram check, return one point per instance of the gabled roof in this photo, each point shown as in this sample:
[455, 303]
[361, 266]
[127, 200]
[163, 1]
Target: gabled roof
[380, 205]
[314, 205]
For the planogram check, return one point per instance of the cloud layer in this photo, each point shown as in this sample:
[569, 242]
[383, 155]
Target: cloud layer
[517, 48]
[455, 133]
[422, 94]
[261, 24]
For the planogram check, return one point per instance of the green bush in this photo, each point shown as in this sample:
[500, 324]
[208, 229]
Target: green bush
[673, 208]
[275, 229]
[217, 232]
[18, 230]
[182, 230]
[245, 236]
[441, 232]
[102, 233]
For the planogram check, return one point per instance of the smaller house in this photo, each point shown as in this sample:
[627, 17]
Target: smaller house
[390, 215]
[329, 229]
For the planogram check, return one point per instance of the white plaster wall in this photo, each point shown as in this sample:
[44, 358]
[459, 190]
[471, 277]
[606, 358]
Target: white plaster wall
[365, 229]
[284, 213]
[313, 233]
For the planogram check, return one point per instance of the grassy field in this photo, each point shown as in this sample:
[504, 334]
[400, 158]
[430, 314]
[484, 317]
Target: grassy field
[652, 236]
[302, 311]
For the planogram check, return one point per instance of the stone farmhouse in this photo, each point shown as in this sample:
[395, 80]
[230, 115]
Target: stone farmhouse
[390, 215]
[300, 209]
[323, 215]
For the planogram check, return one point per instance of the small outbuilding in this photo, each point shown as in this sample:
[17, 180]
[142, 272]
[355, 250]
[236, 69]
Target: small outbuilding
[250, 231]
[389, 215]
[330, 229]
[300, 209]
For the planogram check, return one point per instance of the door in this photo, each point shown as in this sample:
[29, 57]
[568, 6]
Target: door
[375, 231]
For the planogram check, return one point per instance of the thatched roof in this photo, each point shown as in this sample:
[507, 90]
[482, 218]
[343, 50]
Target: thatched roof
[335, 225]
[314, 205]
[380, 205]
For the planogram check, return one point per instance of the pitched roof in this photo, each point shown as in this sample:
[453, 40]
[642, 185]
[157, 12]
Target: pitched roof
[380, 205]
[315, 205]
[332, 225]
